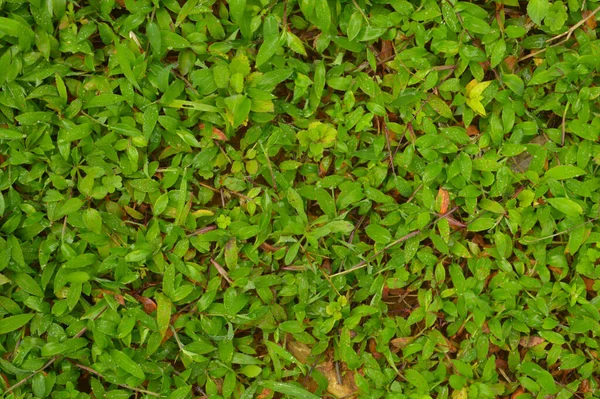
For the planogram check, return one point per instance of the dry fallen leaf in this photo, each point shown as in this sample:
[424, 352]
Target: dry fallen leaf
[520, 391]
[532, 341]
[472, 130]
[346, 389]
[590, 22]
[401, 342]
[149, 304]
[589, 283]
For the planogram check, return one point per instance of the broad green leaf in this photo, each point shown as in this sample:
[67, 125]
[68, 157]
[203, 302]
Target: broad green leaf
[28, 284]
[163, 313]
[538, 10]
[543, 377]
[287, 388]
[127, 364]
[13, 323]
[563, 172]
[482, 224]
[354, 25]
[378, 234]
[566, 206]
[267, 49]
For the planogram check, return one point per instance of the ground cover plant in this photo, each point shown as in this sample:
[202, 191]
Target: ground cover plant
[299, 199]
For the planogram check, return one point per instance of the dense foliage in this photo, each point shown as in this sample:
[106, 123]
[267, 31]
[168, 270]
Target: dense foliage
[299, 199]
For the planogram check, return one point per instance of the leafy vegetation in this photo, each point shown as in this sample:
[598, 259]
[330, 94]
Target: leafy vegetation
[301, 199]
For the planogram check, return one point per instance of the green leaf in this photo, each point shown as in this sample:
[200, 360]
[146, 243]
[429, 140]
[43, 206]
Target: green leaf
[267, 49]
[180, 393]
[322, 15]
[123, 55]
[238, 109]
[515, 83]
[378, 233]
[538, 10]
[295, 43]
[416, 379]
[9, 134]
[28, 284]
[13, 323]
[441, 107]
[163, 313]
[127, 364]
[482, 224]
[354, 25]
[286, 388]
[475, 25]
[563, 172]
[326, 202]
[543, 377]
[566, 206]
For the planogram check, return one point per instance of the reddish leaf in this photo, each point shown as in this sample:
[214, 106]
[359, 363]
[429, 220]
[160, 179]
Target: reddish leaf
[444, 200]
[217, 133]
[149, 304]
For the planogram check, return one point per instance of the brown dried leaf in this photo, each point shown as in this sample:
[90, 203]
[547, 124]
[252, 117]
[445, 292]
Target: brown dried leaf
[511, 62]
[472, 130]
[120, 299]
[402, 342]
[299, 350]
[344, 390]
[268, 247]
[264, 394]
[590, 22]
[149, 304]
[387, 50]
[221, 270]
[532, 341]
[589, 283]
[520, 391]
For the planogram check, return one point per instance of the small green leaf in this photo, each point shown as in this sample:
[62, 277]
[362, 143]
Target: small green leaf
[13, 323]
[378, 234]
[354, 25]
[538, 10]
[127, 364]
[267, 49]
[123, 55]
[287, 388]
[28, 284]
[163, 313]
[482, 224]
[563, 172]
[543, 377]
[566, 206]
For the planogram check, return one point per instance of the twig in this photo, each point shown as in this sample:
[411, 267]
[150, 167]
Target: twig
[567, 33]
[564, 117]
[202, 230]
[363, 263]
[560, 232]
[360, 10]
[337, 373]
[389, 148]
[49, 362]
[24, 380]
[221, 270]
[574, 27]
